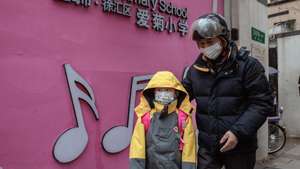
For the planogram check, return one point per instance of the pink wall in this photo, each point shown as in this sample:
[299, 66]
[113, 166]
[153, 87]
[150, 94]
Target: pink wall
[37, 38]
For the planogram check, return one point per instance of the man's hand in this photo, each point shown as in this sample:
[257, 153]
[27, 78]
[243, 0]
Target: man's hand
[230, 141]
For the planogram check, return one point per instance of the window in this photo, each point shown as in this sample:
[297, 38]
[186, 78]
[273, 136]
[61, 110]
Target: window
[276, 2]
[273, 1]
[282, 27]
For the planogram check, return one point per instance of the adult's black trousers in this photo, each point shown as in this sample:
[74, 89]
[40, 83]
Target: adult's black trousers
[208, 160]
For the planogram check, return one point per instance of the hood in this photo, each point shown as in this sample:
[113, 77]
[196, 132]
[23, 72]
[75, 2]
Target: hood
[164, 79]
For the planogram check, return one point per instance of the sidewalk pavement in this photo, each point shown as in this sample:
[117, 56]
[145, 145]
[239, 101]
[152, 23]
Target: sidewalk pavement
[287, 158]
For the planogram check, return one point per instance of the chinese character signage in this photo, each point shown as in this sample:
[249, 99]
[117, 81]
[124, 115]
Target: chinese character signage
[117, 7]
[158, 15]
[85, 3]
[258, 35]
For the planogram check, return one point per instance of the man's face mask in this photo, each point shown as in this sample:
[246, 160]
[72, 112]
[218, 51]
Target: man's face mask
[212, 52]
[164, 96]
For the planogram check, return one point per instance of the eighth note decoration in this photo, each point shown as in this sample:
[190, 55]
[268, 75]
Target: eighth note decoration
[72, 142]
[118, 138]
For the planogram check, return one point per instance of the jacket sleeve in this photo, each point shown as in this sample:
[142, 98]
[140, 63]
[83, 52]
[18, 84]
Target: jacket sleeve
[189, 148]
[137, 152]
[258, 99]
[187, 84]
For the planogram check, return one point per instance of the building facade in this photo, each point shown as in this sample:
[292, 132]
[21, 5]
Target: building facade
[284, 29]
[283, 16]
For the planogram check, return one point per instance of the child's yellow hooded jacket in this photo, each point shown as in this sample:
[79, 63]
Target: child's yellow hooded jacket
[158, 146]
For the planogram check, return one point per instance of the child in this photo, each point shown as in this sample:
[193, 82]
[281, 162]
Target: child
[163, 136]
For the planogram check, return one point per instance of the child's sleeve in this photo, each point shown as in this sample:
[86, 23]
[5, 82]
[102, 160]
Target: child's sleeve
[137, 154]
[189, 148]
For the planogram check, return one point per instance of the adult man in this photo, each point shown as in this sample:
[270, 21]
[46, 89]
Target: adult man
[232, 95]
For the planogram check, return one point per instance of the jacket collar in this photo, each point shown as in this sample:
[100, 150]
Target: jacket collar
[159, 107]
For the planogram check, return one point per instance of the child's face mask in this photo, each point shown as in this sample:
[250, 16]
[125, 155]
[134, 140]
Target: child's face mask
[164, 95]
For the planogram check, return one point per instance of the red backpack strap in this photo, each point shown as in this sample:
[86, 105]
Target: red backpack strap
[182, 116]
[146, 121]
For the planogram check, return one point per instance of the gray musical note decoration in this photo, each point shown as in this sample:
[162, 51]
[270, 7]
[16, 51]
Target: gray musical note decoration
[118, 138]
[73, 142]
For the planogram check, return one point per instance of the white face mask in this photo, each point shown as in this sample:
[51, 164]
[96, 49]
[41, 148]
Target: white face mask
[164, 97]
[212, 52]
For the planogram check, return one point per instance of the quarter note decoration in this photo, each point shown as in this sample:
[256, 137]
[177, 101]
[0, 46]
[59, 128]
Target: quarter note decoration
[73, 142]
[118, 138]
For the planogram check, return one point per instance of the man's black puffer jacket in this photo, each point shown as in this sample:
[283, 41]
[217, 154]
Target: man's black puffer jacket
[235, 98]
